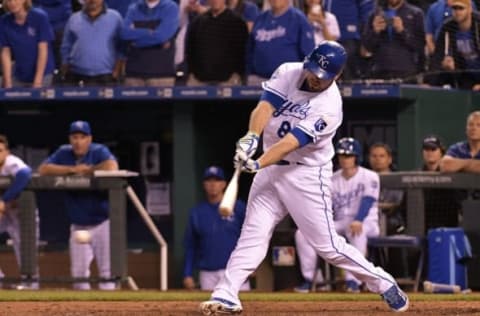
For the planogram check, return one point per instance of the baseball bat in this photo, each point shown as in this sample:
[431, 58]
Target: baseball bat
[230, 196]
[431, 287]
[447, 44]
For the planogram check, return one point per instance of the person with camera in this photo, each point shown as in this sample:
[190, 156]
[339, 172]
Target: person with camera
[325, 25]
[395, 36]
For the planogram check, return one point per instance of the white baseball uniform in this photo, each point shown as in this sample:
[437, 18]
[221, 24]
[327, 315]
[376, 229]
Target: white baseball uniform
[346, 197]
[10, 222]
[301, 188]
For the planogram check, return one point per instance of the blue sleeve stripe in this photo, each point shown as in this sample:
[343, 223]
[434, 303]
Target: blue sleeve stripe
[365, 206]
[273, 99]
[19, 183]
[302, 137]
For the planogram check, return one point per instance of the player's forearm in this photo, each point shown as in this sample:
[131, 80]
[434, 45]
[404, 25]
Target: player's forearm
[108, 165]
[7, 67]
[55, 170]
[279, 150]
[260, 116]
[450, 164]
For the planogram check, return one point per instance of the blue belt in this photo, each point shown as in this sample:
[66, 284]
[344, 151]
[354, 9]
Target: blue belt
[286, 163]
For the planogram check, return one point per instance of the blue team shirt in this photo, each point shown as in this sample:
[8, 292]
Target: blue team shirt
[120, 5]
[84, 207]
[209, 238]
[461, 150]
[351, 15]
[23, 42]
[275, 40]
[58, 11]
[250, 11]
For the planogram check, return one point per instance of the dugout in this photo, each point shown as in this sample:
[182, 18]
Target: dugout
[198, 127]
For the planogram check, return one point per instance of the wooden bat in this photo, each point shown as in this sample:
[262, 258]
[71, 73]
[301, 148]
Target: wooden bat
[230, 196]
[431, 287]
[447, 44]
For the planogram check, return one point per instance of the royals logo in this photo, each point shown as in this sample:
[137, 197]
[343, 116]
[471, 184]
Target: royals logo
[323, 61]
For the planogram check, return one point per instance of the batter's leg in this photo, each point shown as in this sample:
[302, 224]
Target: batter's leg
[307, 257]
[311, 209]
[264, 212]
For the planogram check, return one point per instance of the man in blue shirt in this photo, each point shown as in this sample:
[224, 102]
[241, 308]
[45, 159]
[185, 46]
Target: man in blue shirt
[91, 47]
[210, 238]
[465, 156]
[87, 210]
[281, 34]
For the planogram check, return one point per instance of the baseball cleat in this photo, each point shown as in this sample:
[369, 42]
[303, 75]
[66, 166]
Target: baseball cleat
[352, 286]
[219, 306]
[305, 287]
[396, 299]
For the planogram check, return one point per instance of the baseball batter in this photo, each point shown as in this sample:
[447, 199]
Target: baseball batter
[355, 192]
[87, 210]
[298, 113]
[12, 166]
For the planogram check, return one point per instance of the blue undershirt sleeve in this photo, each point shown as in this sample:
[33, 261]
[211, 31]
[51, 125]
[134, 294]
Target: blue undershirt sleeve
[301, 136]
[365, 205]
[21, 180]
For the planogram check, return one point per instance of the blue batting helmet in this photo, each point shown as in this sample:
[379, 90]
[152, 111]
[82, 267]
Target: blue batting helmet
[350, 146]
[326, 60]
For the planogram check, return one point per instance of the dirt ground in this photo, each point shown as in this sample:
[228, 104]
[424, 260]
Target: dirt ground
[250, 308]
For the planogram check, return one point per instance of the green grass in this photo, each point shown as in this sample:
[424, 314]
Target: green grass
[64, 295]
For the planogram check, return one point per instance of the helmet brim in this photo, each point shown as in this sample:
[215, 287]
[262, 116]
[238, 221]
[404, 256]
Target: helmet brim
[317, 70]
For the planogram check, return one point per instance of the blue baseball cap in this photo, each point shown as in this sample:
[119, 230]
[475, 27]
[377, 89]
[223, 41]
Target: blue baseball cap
[214, 172]
[80, 127]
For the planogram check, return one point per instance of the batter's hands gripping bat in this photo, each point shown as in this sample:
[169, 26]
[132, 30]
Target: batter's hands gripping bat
[230, 196]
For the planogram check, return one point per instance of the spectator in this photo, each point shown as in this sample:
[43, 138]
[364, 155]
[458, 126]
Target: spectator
[458, 47]
[281, 34]
[396, 38]
[149, 28]
[437, 13]
[87, 210]
[91, 49]
[355, 192]
[390, 201]
[26, 36]
[352, 15]
[215, 47]
[120, 5]
[465, 156]
[246, 10]
[12, 166]
[58, 12]
[441, 205]
[325, 25]
[210, 238]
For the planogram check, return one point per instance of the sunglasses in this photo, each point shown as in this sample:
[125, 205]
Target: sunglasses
[458, 8]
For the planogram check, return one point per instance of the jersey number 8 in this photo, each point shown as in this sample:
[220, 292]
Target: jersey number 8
[284, 128]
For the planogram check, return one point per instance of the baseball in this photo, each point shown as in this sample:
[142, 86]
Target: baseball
[82, 236]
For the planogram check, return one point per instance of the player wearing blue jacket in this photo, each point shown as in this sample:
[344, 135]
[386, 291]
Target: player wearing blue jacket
[282, 34]
[209, 238]
[87, 210]
[150, 27]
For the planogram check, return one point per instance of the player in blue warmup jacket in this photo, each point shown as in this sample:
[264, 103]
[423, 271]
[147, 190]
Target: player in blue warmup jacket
[87, 210]
[209, 238]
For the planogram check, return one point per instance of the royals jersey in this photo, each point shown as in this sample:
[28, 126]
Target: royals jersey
[12, 165]
[318, 115]
[347, 193]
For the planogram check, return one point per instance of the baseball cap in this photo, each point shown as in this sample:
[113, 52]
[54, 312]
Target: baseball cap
[214, 172]
[462, 3]
[432, 142]
[80, 127]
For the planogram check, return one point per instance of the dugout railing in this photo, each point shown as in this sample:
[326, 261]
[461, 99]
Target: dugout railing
[116, 184]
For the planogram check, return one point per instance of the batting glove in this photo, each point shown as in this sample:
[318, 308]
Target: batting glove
[248, 144]
[247, 164]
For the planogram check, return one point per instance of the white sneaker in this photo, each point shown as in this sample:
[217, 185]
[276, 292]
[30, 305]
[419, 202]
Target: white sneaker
[220, 306]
